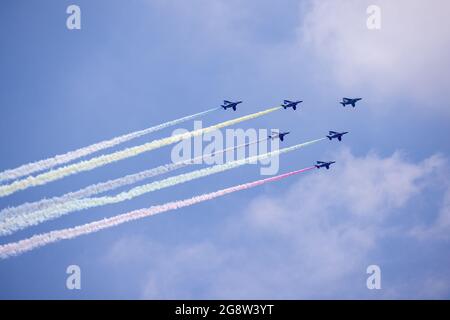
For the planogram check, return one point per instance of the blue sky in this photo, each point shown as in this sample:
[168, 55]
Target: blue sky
[134, 65]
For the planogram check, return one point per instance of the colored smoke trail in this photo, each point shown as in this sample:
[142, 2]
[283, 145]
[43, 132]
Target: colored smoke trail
[49, 163]
[102, 160]
[19, 247]
[20, 222]
[10, 215]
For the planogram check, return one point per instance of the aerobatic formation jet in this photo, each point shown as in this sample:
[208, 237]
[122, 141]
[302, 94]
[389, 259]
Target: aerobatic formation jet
[351, 101]
[290, 104]
[321, 164]
[228, 104]
[338, 135]
[279, 135]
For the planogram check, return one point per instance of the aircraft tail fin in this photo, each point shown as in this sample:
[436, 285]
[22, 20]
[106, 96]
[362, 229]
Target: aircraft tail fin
[329, 137]
[343, 104]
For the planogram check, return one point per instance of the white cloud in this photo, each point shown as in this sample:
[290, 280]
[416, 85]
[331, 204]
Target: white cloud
[408, 56]
[334, 219]
[440, 227]
[367, 187]
[312, 241]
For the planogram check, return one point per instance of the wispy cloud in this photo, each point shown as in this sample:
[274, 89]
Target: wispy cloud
[407, 56]
[314, 240]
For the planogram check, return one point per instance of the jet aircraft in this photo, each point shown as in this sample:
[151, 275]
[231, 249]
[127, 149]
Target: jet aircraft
[333, 134]
[228, 104]
[321, 164]
[290, 104]
[351, 101]
[279, 135]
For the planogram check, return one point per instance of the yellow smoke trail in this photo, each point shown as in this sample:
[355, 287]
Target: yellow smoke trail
[41, 165]
[102, 187]
[102, 160]
[15, 248]
[19, 222]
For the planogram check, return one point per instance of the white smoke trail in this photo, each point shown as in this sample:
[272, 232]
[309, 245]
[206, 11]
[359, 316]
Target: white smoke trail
[102, 160]
[13, 224]
[19, 247]
[26, 208]
[41, 165]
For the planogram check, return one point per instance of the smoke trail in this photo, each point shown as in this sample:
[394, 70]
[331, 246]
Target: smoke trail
[19, 247]
[26, 208]
[41, 165]
[17, 223]
[102, 160]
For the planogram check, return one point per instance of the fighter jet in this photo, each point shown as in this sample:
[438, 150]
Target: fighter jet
[228, 104]
[279, 135]
[333, 134]
[351, 101]
[290, 104]
[321, 164]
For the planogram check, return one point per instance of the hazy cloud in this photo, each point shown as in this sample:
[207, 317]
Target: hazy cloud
[312, 241]
[409, 55]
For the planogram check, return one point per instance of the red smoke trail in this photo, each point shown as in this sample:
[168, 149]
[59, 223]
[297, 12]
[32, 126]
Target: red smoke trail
[16, 248]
